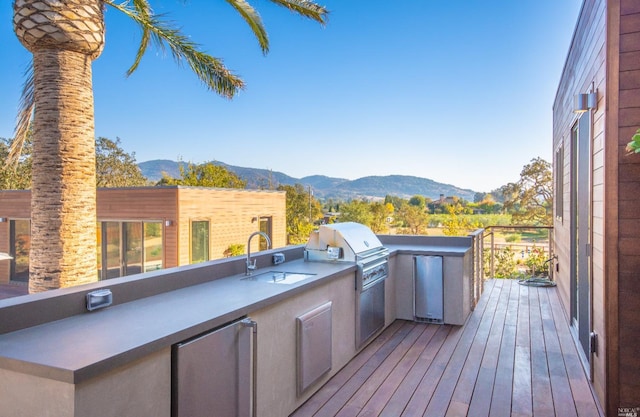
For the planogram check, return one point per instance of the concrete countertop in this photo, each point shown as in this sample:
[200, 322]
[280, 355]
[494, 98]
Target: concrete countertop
[433, 250]
[80, 347]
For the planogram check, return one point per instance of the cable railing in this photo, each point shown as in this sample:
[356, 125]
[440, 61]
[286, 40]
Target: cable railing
[518, 251]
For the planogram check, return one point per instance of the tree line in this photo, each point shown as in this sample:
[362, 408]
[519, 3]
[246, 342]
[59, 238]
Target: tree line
[527, 201]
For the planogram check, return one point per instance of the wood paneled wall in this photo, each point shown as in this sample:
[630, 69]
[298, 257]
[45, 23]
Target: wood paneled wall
[628, 166]
[230, 213]
[585, 70]
[605, 51]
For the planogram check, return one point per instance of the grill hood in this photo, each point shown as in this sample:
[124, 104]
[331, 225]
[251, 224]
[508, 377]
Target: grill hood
[347, 241]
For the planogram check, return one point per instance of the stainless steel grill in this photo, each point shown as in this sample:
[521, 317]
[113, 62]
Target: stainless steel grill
[354, 242]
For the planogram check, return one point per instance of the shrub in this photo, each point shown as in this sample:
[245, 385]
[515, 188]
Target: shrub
[234, 249]
[536, 262]
[513, 238]
[505, 263]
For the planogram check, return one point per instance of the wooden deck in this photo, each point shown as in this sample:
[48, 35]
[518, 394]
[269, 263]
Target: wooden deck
[515, 356]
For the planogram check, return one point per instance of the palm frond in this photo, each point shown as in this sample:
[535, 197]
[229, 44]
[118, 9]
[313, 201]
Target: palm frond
[306, 8]
[144, 9]
[254, 21]
[25, 115]
[210, 70]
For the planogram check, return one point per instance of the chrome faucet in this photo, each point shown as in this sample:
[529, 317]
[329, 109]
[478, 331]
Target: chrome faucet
[252, 265]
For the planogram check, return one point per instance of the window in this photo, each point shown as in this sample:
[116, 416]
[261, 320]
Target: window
[20, 241]
[265, 227]
[199, 241]
[153, 253]
[559, 185]
[127, 248]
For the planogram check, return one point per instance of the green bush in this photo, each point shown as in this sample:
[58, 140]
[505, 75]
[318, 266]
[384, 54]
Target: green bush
[513, 238]
[536, 262]
[505, 263]
[234, 249]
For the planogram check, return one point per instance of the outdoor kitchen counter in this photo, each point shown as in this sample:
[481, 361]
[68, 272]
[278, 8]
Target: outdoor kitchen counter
[431, 250]
[82, 346]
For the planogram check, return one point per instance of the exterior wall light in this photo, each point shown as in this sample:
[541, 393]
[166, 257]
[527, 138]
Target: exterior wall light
[585, 101]
[168, 223]
[3, 219]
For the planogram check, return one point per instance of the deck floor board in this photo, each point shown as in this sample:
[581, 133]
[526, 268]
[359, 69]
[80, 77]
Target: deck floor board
[515, 356]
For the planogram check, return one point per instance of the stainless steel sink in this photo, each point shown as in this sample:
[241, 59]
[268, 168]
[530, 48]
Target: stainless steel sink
[279, 277]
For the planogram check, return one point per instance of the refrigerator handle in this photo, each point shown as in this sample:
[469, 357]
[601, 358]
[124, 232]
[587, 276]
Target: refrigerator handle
[251, 325]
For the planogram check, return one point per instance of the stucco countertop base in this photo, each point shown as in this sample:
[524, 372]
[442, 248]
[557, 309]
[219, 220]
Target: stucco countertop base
[80, 347]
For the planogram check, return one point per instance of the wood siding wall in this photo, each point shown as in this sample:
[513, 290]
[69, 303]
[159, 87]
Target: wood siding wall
[585, 69]
[605, 51]
[628, 308]
[144, 204]
[229, 212]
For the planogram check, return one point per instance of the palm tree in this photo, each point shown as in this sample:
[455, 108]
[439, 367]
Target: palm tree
[65, 36]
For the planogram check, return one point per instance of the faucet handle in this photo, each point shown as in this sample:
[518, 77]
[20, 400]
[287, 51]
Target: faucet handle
[251, 265]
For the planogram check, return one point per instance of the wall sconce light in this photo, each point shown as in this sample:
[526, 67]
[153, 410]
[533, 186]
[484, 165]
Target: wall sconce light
[168, 223]
[3, 219]
[254, 219]
[585, 101]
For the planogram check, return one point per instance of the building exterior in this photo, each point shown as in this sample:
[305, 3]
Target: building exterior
[597, 200]
[147, 228]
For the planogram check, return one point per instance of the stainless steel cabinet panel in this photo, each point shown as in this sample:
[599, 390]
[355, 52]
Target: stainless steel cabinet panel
[429, 292]
[212, 374]
[314, 346]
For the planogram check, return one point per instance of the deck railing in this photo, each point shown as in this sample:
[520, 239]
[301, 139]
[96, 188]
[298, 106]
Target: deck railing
[477, 246]
[521, 242]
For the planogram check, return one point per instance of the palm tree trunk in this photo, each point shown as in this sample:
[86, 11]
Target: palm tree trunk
[63, 203]
[65, 36]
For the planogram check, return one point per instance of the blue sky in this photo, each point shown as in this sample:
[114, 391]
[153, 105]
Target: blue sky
[458, 91]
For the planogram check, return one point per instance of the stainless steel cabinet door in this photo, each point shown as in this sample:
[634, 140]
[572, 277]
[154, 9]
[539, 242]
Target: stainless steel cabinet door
[212, 374]
[428, 285]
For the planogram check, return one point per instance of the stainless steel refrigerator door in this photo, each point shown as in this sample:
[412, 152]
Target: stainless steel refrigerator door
[428, 286]
[212, 374]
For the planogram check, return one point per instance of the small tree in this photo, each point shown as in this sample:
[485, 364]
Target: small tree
[18, 176]
[530, 200]
[536, 262]
[414, 218]
[302, 210]
[418, 201]
[356, 211]
[205, 175]
[505, 263]
[380, 212]
[456, 223]
[115, 167]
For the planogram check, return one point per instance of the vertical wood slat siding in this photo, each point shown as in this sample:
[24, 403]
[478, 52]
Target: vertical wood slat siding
[629, 202]
[586, 65]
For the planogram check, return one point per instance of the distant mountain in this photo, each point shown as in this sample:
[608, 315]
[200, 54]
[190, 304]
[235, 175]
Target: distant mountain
[324, 187]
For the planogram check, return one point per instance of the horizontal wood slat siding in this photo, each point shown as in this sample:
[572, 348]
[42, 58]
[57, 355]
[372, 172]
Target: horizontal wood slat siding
[629, 203]
[585, 68]
[143, 204]
[229, 211]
